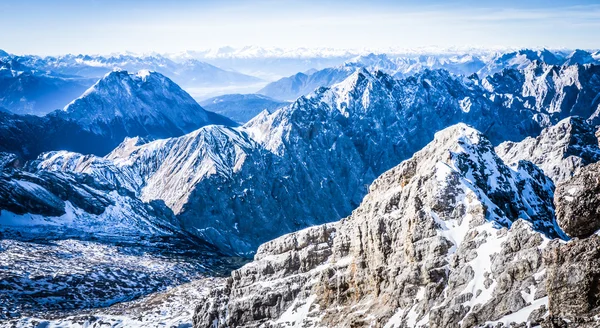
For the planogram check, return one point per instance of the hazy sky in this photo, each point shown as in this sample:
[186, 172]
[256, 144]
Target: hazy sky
[104, 26]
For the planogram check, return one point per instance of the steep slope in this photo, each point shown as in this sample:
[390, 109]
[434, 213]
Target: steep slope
[142, 104]
[428, 246]
[70, 242]
[241, 107]
[573, 266]
[184, 171]
[290, 88]
[559, 150]
[326, 147]
[556, 92]
[74, 205]
[120, 105]
[24, 90]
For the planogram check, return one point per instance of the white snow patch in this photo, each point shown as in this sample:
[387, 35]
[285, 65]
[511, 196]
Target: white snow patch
[523, 314]
[295, 315]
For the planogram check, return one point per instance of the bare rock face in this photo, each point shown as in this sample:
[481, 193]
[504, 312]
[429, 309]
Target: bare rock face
[578, 202]
[436, 243]
[559, 150]
[573, 283]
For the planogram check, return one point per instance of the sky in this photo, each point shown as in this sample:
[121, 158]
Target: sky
[106, 26]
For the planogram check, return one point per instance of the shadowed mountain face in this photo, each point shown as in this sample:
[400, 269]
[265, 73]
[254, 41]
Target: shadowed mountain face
[146, 104]
[306, 163]
[458, 233]
[24, 90]
[241, 107]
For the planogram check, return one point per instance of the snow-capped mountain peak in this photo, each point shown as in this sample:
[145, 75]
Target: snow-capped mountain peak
[145, 103]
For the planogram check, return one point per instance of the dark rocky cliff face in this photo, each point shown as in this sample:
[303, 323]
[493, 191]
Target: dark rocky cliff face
[573, 282]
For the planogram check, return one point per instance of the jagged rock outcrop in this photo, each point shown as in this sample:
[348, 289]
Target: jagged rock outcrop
[559, 150]
[573, 275]
[573, 280]
[436, 242]
[552, 92]
[578, 202]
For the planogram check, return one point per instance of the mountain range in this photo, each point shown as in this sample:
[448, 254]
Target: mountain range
[328, 145]
[38, 85]
[435, 198]
[145, 104]
[483, 65]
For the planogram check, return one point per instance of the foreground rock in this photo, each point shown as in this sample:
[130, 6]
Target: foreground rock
[436, 242]
[574, 267]
[578, 202]
[573, 283]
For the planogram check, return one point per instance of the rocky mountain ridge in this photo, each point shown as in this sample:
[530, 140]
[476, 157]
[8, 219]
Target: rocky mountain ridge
[559, 150]
[436, 243]
[483, 65]
[366, 125]
[120, 105]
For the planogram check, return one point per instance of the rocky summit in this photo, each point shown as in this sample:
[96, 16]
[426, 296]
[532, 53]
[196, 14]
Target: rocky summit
[452, 237]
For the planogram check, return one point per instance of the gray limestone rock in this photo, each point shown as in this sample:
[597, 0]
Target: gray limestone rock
[417, 252]
[578, 202]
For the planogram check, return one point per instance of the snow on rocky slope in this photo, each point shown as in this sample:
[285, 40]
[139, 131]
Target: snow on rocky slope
[451, 237]
[305, 164]
[554, 92]
[69, 242]
[404, 65]
[327, 146]
[559, 150]
[141, 104]
[119, 105]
